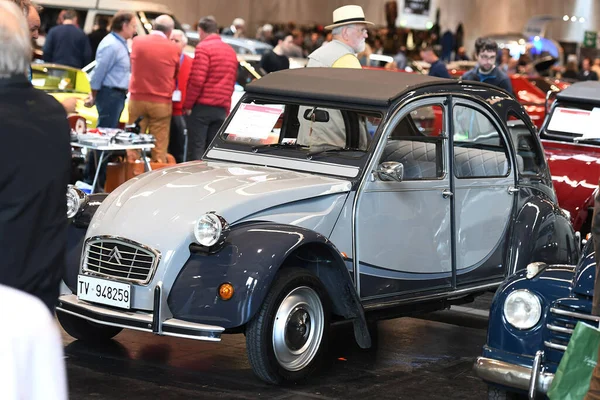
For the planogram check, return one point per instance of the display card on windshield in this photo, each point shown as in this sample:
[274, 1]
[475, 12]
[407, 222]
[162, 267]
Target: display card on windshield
[254, 121]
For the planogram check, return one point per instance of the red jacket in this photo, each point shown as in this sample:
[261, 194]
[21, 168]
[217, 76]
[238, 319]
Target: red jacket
[154, 65]
[182, 80]
[213, 76]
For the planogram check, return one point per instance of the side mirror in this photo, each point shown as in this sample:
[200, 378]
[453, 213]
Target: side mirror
[390, 171]
[316, 115]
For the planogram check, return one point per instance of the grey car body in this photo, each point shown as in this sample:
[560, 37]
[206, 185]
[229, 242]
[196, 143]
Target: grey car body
[450, 196]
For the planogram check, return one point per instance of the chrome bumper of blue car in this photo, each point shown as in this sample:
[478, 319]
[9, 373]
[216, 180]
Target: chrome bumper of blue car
[141, 321]
[531, 380]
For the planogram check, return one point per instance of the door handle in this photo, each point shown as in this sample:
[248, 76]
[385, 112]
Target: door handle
[447, 194]
[513, 190]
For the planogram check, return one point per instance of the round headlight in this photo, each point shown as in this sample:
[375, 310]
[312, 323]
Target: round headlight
[209, 229]
[522, 309]
[76, 200]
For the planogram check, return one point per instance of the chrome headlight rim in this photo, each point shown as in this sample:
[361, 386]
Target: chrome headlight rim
[535, 303]
[221, 228]
[79, 199]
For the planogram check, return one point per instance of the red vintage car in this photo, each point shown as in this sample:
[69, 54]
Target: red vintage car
[571, 141]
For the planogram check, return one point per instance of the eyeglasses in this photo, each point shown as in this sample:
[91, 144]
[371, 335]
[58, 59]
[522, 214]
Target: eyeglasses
[361, 30]
[485, 57]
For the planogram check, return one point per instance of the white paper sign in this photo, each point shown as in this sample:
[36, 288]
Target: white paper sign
[571, 120]
[254, 121]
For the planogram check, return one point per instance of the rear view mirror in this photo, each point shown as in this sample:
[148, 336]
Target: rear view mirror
[316, 115]
[390, 171]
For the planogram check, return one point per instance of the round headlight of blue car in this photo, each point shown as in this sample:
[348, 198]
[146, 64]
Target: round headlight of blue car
[76, 201]
[522, 309]
[210, 229]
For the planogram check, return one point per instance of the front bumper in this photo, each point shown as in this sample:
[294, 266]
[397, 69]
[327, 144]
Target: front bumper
[141, 321]
[515, 376]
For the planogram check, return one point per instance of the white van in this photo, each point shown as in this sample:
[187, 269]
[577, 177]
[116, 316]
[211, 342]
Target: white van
[89, 11]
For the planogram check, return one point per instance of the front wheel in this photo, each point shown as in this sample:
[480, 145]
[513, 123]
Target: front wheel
[285, 339]
[85, 330]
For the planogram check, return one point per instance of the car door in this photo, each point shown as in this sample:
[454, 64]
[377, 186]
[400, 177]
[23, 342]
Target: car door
[404, 227]
[483, 186]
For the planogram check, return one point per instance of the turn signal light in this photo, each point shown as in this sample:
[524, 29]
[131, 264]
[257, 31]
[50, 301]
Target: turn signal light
[226, 291]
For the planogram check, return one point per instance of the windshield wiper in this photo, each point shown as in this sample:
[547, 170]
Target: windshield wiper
[331, 150]
[278, 146]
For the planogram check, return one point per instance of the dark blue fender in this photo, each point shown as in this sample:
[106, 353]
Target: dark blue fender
[250, 259]
[75, 236]
[542, 232]
[509, 344]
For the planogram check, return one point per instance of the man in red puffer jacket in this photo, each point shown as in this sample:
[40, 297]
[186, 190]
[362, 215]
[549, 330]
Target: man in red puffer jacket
[209, 88]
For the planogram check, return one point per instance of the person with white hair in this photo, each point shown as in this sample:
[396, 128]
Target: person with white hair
[349, 31]
[154, 68]
[237, 28]
[177, 134]
[35, 131]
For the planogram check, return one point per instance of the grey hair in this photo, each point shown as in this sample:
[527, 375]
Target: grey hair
[15, 45]
[337, 30]
[180, 33]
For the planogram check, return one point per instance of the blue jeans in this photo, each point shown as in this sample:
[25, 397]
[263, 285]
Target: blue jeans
[110, 103]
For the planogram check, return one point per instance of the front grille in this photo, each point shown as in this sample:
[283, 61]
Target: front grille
[120, 259]
[561, 321]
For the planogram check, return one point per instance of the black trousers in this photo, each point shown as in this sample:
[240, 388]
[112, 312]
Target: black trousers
[203, 124]
[177, 137]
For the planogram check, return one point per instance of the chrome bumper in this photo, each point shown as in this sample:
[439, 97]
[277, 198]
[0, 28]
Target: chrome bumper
[141, 321]
[515, 376]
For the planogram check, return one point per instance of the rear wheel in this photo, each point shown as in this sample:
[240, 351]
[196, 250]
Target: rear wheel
[85, 330]
[285, 339]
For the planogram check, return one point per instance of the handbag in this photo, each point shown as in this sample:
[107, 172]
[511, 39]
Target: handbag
[572, 378]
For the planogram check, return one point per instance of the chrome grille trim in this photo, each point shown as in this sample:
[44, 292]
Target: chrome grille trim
[574, 314]
[135, 263]
[555, 346]
[559, 329]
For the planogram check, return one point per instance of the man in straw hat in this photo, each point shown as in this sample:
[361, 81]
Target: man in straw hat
[349, 30]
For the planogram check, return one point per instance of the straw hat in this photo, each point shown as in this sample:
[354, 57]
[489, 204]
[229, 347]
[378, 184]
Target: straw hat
[348, 15]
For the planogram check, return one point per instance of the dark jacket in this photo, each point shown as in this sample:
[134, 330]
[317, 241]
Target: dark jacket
[496, 77]
[34, 173]
[67, 45]
[439, 69]
[95, 38]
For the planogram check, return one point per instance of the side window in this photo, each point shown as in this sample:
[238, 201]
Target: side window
[530, 159]
[417, 142]
[479, 149]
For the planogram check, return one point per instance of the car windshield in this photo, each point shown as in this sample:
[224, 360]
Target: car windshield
[56, 79]
[301, 131]
[569, 122]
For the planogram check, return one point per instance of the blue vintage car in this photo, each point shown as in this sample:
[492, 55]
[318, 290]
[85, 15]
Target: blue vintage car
[532, 317]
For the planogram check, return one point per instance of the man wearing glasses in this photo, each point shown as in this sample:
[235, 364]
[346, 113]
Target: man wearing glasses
[486, 70]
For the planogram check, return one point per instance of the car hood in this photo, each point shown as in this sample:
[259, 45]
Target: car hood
[164, 205]
[585, 273]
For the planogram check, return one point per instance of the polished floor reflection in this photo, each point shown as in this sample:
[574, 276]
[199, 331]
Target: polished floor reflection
[412, 358]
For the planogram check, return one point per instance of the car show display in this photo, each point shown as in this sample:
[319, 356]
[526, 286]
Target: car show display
[295, 218]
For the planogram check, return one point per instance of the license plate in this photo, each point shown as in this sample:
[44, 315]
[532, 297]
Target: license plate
[102, 291]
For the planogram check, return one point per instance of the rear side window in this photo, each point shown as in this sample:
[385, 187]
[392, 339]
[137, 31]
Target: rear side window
[530, 158]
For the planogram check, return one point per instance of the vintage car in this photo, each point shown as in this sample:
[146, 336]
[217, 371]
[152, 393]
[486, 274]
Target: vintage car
[572, 146]
[532, 317]
[321, 199]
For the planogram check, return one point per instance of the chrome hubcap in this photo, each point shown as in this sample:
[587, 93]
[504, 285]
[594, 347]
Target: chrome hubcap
[298, 328]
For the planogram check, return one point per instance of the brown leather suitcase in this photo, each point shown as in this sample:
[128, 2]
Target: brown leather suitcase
[119, 172]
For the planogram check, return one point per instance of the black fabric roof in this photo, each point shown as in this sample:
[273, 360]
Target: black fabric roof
[371, 87]
[581, 92]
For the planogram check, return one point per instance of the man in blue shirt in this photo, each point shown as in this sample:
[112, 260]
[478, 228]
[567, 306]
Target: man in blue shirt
[66, 44]
[110, 80]
[486, 70]
[438, 68]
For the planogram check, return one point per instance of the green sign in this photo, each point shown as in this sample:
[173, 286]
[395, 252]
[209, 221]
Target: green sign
[589, 39]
